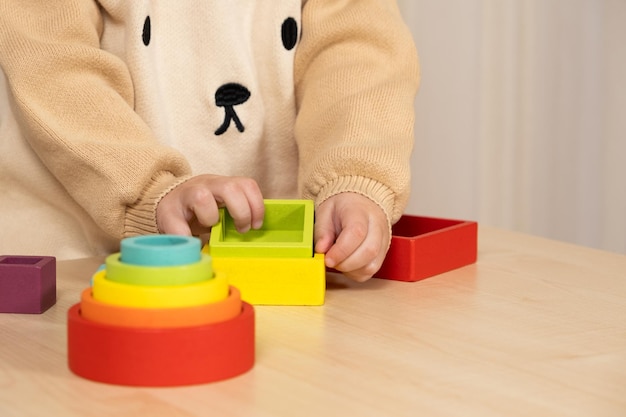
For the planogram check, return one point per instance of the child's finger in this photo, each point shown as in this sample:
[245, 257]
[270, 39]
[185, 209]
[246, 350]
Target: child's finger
[245, 205]
[240, 211]
[324, 233]
[201, 202]
[350, 238]
[257, 206]
[366, 259]
[172, 220]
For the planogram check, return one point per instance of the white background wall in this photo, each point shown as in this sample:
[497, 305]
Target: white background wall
[521, 116]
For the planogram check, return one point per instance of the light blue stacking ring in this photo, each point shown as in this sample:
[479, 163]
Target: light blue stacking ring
[160, 250]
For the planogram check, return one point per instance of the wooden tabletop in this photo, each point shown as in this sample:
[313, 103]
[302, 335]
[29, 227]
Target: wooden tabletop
[534, 328]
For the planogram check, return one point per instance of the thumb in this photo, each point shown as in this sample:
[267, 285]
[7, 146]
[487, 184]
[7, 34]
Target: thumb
[324, 231]
[172, 221]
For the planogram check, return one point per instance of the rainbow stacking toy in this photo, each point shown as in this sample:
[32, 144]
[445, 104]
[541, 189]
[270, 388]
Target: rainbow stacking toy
[158, 315]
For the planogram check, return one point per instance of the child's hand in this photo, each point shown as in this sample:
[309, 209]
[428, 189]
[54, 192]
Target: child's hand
[192, 207]
[352, 231]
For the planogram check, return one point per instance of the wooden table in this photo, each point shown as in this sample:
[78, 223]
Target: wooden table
[534, 328]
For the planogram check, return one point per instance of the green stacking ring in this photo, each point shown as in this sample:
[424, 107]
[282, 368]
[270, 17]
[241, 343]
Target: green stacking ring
[158, 275]
[160, 250]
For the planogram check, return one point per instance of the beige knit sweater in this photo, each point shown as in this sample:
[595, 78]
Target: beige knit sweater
[106, 106]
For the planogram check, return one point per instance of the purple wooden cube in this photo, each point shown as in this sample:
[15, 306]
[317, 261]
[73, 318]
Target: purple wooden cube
[28, 284]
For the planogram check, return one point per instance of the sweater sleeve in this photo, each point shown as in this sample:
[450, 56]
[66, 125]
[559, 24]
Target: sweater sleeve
[74, 103]
[356, 75]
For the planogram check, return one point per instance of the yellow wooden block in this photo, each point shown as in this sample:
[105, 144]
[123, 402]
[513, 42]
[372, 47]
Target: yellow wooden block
[275, 281]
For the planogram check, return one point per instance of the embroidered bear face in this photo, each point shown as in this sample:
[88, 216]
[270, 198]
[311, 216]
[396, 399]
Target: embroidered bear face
[212, 78]
[236, 91]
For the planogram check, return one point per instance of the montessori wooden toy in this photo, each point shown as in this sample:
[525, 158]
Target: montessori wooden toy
[275, 265]
[160, 250]
[158, 318]
[134, 331]
[422, 247]
[210, 290]
[126, 273]
[161, 357]
[27, 284]
[277, 281]
[287, 232]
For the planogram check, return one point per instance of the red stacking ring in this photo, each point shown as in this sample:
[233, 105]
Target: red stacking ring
[160, 357]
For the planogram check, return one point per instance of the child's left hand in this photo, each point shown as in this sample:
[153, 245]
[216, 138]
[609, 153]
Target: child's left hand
[352, 231]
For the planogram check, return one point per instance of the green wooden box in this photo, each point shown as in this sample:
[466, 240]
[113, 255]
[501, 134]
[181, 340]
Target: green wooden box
[287, 232]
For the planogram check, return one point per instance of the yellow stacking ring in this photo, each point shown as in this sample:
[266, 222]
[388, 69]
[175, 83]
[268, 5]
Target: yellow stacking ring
[125, 273]
[161, 296]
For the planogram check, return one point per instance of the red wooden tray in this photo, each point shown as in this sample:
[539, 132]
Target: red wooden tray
[422, 247]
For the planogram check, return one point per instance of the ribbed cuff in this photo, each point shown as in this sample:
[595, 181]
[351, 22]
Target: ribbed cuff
[141, 217]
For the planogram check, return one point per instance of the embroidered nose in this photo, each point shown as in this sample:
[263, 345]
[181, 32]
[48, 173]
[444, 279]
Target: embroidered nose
[228, 96]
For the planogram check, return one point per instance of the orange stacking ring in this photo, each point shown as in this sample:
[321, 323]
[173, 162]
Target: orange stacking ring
[153, 318]
[161, 296]
[160, 357]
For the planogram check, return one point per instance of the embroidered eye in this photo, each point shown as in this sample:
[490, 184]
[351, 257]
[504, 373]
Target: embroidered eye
[289, 33]
[145, 35]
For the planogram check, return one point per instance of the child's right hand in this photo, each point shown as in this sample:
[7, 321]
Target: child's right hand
[192, 207]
